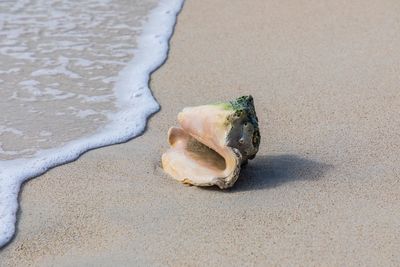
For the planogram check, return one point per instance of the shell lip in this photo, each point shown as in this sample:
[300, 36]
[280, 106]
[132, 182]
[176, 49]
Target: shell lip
[191, 161]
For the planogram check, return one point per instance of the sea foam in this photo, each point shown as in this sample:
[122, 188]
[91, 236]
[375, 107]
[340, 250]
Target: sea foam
[133, 98]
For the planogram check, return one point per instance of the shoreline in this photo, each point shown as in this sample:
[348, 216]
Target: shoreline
[131, 90]
[323, 189]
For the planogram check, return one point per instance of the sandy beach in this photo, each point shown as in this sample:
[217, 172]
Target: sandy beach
[324, 189]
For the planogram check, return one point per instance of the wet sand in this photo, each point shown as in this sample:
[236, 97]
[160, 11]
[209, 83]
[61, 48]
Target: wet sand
[323, 190]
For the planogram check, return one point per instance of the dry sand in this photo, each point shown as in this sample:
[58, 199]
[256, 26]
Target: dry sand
[324, 189]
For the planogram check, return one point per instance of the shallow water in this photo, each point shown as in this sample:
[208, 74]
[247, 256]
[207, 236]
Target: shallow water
[73, 76]
[59, 63]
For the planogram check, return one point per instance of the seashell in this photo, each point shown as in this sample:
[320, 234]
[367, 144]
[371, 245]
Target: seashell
[212, 143]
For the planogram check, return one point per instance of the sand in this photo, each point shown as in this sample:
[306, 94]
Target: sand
[323, 190]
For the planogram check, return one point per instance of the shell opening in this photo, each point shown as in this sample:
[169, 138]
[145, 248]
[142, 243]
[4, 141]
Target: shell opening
[191, 161]
[205, 155]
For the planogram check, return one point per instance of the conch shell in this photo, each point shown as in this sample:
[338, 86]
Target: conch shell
[212, 143]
